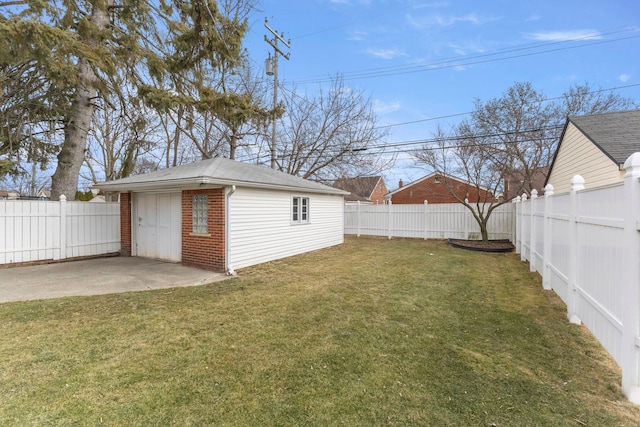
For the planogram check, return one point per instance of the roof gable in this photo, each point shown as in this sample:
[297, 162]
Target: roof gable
[362, 186]
[616, 134]
[217, 172]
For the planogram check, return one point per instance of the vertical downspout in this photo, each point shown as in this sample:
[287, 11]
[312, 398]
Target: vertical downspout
[227, 209]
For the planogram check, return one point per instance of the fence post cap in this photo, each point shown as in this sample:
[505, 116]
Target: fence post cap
[63, 198]
[548, 190]
[516, 199]
[524, 197]
[577, 182]
[632, 165]
[534, 193]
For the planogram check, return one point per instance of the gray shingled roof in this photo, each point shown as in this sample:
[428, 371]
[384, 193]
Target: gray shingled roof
[218, 171]
[616, 134]
[360, 187]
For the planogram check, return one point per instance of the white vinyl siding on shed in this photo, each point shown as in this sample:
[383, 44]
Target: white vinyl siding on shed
[579, 156]
[261, 230]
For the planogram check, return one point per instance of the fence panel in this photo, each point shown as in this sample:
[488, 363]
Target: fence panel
[427, 221]
[27, 230]
[559, 254]
[590, 251]
[525, 217]
[537, 233]
[34, 230]
[92, 228]
[601, 257]
[407, 220]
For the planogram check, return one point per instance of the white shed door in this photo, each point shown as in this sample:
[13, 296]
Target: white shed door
[158, 226]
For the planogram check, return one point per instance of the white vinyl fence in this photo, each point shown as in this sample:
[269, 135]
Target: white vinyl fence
[48, 230]
[586, 246]
[426, 221]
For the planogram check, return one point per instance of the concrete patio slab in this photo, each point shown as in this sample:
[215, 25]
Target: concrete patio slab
[96, 277]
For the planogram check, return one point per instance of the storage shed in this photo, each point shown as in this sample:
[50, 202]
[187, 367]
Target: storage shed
[220, 214]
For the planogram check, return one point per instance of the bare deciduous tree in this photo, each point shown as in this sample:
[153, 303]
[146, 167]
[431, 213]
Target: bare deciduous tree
[327, 136]
[514, 135]
[120, 133]
[474, 160]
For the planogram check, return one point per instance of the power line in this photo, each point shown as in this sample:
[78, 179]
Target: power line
[377, 150]
[464, 61]
[469, 112]
[448, 116]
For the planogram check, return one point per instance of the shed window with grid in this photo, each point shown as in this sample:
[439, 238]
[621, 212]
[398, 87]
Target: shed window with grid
[300, 210]
[200, 213]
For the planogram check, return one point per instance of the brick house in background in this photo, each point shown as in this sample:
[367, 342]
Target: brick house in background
[518, 183]
[435, 188]
[363, 189]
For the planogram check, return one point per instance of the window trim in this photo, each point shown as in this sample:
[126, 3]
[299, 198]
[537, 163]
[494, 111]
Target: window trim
[198, 229]
[300, 212]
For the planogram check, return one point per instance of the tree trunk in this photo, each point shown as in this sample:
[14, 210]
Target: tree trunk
[483, 232]
[65, 178]
[233, 144]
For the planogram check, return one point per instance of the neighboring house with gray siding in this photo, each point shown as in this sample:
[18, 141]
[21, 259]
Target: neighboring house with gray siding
[595, 147]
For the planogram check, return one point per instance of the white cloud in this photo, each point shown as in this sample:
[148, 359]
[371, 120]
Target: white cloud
[385, 53]
[561, 36]
[358, 35]
[466, 49]
[624, 77]
[382, 107]
[422, 22]
[350, 2]
[450, 20]
[436, 4]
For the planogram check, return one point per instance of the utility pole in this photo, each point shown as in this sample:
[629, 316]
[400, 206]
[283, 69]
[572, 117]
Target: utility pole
[271, 66]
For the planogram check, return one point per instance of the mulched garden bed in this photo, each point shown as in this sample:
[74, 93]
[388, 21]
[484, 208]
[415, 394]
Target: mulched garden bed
[479, 245]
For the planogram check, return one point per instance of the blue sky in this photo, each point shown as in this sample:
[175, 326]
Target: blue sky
[421, 60]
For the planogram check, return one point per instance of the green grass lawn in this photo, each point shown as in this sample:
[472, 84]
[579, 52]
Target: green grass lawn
[375, 332]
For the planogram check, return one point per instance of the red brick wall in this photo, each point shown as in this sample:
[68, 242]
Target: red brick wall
[204, 251]
[437, 192]
[377, 197]
[125, 224]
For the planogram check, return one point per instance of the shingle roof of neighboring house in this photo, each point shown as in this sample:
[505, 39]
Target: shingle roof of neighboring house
[218, 171]
[616, 134]
[360, 187]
